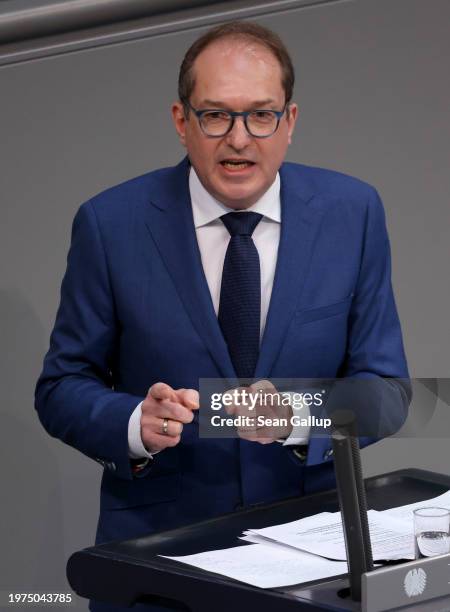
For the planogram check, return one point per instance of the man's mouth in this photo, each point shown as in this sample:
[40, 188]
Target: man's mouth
[236, 164]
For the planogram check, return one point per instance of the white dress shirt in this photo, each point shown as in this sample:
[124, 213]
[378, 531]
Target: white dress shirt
[213, 238]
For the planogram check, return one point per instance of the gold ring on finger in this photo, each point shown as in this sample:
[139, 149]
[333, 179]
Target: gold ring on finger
[165, 427]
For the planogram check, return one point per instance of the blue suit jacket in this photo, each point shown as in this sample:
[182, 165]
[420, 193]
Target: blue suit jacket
[135, 309]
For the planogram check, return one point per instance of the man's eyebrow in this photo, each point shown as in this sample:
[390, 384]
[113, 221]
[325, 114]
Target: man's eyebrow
[220, 104]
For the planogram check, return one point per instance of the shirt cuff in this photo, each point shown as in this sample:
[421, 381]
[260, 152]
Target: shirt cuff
[136, 448]
[300, 433]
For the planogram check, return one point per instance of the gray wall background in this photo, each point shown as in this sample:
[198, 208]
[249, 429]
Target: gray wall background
[373, 90]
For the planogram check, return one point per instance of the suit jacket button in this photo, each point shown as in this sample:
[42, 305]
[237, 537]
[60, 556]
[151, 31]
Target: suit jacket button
[327, 454]
[111, 466]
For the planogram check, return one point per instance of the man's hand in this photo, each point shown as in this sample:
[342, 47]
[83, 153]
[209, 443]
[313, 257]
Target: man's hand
[270, 417]
[164, 412]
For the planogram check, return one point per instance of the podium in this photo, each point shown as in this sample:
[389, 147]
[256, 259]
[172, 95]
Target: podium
[131, 571]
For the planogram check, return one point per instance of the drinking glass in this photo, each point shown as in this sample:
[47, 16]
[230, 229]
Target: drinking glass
[431, 532]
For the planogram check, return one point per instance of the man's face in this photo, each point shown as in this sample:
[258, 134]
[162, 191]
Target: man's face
[236, 75]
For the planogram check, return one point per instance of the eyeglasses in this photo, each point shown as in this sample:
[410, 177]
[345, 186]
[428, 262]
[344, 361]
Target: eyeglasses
[216, 123]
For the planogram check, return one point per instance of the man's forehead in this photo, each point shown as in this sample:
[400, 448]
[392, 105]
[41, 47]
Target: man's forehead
[229, 66]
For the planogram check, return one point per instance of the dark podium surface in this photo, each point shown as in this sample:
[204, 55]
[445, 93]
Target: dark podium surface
[130, 571]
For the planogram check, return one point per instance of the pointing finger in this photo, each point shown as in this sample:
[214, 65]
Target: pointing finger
[162, 391]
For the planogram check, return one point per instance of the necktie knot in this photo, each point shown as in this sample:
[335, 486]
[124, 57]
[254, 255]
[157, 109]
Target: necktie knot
[241, 223]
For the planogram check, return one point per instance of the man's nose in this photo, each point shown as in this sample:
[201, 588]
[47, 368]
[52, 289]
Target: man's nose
[238, 137]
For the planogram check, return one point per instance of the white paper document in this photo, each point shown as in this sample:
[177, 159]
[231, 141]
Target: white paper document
[265, 565]
[322, 534]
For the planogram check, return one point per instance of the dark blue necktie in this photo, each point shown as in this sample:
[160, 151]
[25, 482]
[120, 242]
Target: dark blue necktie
[240, 293]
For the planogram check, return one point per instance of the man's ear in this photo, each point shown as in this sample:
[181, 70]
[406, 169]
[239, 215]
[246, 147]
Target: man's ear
[292, 120]
[179, 121]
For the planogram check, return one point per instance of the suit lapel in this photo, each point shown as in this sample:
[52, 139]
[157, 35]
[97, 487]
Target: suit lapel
[170, 222]
[301, 216]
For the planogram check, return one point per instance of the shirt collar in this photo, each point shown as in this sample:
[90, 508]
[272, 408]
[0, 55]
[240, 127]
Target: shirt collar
[206, 208]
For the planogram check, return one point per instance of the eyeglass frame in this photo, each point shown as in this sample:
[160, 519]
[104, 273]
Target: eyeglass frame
[233, 114]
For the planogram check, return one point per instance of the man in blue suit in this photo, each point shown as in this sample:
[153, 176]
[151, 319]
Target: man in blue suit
[145, 313]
